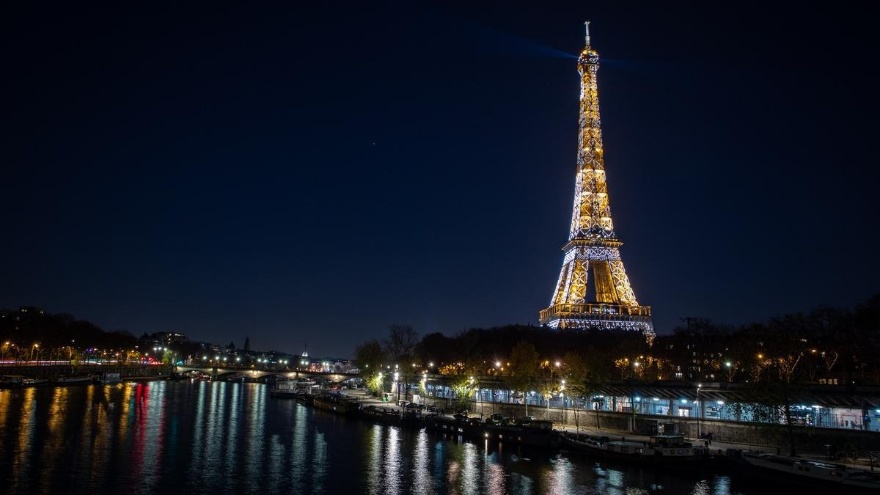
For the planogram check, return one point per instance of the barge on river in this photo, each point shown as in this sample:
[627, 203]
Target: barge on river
[527, 431]
[336, 403]
[664, 450]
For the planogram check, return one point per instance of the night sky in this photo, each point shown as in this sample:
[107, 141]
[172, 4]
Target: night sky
[309, 176]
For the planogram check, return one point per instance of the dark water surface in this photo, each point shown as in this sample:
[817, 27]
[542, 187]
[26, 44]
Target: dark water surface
[228, 438]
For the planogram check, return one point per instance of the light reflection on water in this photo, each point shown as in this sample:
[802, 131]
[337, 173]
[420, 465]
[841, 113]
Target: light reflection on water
[228, 438]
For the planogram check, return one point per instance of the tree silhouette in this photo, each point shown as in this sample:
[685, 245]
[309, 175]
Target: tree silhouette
[524, 370]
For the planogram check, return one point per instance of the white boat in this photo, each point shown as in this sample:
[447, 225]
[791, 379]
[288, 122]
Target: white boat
[807, 472]
[284, 388]
[292, 388]
[305, 383]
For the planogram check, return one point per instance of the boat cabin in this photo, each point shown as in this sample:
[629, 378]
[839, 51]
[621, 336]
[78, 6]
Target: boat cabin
[667, 441]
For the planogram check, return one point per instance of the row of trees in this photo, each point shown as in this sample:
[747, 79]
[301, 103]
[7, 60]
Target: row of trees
[826, 345]
[29, 325]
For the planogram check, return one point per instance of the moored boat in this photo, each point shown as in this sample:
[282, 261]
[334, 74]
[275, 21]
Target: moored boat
[284, 389]
[109, 378]
[813, 473]
[305, 383]
[390, 416]
[33, 382]
[19, 381]
[529, 432]
[74, 380]
[291, 388]
[11, 381]
[666, 450]
[336, 403]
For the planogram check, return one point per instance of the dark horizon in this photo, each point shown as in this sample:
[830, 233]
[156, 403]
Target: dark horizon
[701, 325]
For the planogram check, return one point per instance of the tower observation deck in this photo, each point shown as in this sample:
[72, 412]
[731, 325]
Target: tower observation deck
[593, 290]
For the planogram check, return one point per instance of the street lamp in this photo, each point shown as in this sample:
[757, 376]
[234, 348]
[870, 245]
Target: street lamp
[480, 399]
[380, 384]
[699, 412]
[425, 387]
[397, 383]
[632, 392]
[498, 371]
[471, 382]
[562, 396]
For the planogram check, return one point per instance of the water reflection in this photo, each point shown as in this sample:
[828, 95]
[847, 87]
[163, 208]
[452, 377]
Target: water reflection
[226, 438]
[421, 469]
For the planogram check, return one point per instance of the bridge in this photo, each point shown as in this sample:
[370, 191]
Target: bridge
[260, 375]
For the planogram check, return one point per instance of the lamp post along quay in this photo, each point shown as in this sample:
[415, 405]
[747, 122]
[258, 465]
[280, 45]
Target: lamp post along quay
[699, 405]
[562, 396]
[632, 396]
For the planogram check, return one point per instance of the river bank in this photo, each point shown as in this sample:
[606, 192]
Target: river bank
[51, 371]
[718, 436]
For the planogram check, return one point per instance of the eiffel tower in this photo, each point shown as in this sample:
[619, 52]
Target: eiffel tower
[593, 248]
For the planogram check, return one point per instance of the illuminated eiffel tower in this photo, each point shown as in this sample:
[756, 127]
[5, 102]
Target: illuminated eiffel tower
[592, 248]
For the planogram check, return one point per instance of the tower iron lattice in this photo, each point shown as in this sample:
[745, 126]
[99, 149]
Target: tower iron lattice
[593, 247]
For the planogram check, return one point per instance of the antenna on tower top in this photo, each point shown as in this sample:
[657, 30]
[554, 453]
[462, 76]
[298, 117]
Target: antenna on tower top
[587, 28]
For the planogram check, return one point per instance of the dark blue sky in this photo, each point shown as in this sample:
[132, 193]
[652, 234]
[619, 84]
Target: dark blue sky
[313, 175]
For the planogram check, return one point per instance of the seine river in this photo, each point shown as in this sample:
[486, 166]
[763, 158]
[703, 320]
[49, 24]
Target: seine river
[228, 438]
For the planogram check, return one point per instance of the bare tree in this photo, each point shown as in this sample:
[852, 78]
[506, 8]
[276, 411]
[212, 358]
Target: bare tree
[401, 342]
[400, 347]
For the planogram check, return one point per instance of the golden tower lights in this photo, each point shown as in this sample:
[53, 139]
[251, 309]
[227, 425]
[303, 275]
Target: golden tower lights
[593, 247]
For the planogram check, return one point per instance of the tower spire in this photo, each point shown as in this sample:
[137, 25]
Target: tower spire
[587, 29]
[606, 300]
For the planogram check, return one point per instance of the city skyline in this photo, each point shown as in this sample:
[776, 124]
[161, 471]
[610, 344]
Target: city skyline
[313, 175]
